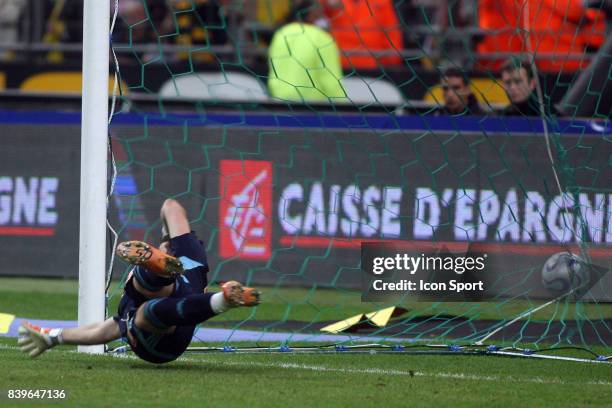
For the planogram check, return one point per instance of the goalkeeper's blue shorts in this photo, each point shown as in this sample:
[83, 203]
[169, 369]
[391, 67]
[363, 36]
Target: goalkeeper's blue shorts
[156, 347]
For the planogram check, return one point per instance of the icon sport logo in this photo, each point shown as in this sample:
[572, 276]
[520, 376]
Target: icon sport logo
[246, 207]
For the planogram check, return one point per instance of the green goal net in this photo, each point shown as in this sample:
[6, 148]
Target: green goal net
[284, 189]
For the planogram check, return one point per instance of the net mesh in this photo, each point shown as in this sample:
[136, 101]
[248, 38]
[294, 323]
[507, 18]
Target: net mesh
[284, 189]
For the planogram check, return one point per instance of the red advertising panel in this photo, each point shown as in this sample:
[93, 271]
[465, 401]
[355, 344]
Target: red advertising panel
[245, 210]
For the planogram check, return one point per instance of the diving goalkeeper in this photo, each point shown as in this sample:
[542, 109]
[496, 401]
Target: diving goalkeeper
[163, 301]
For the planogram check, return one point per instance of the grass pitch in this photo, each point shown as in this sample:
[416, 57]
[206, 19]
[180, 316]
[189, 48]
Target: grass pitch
[290, 380]
[281, 380]
[57, 299]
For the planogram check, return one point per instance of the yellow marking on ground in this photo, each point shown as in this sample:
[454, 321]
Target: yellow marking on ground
[381, 317]
[342, 325]
[5, 322]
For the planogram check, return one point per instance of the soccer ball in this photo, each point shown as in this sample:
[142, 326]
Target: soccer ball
[563, 272]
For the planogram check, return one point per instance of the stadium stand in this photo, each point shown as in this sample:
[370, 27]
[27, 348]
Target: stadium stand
[370, 26]
[487, 91]
[58, 82]
[227, 86]
[560, 30]
[367, 90]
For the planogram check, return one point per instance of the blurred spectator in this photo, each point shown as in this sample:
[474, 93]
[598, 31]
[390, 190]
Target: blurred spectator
[65, 24]
[564, 28]
[304, 59]
[458, 96]
[171, 22]
[197, 22]
[455, 15]
[440, 42]
[10, 15]
[139, 21]
[135, 25]
[365, 25]
[269, 13]
[519, 83]
[70, 21]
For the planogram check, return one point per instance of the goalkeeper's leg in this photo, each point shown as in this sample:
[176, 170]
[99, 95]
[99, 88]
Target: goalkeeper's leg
[155, 272]
[157, 268]
[163, 314]
[151, 258]
[162, 328]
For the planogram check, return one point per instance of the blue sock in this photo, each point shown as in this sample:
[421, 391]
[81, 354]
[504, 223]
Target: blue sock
[186, 311]
[150, 280]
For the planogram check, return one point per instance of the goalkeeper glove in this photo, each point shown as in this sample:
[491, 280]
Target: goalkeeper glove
[36, 340]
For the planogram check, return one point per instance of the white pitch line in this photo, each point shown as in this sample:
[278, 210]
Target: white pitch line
[385, 371]
[369, 371]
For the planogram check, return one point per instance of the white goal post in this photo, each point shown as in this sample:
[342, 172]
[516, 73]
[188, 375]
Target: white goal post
[94, 133]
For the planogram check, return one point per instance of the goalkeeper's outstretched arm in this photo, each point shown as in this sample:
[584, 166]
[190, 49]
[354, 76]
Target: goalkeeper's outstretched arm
[35, 340]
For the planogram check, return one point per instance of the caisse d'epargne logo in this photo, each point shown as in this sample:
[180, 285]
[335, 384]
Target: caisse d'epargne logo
[245, 209]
